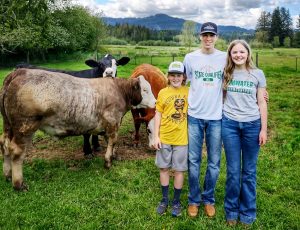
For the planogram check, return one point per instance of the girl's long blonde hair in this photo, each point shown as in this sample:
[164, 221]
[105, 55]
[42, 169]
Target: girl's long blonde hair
[229, 67]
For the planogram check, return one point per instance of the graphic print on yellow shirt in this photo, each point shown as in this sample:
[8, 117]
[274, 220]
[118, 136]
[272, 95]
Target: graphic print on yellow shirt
[172, 104]
[179, 106]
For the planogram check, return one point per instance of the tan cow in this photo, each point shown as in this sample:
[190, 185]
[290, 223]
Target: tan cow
[62, 105]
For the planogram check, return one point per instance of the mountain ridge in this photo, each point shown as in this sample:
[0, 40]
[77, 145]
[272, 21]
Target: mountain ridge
[166, 22]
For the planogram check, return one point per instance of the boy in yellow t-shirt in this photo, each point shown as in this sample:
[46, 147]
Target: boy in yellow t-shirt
[171, 137]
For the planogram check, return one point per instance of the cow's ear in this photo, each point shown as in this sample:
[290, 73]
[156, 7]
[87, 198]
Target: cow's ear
[91, 63]
[123, 61]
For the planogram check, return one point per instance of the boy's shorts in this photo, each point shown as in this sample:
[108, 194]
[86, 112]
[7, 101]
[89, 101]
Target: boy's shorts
[172, 156]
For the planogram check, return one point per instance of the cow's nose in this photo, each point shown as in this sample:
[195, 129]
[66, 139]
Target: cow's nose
[109, 72]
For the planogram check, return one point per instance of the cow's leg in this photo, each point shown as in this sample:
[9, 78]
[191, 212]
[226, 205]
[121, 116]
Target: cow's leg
[136, 113]
[4, 143]
[17, 149]
[95, 143]
[136, 139]
[112, 139]
[87, 150]
[6, 156]
[21, 139]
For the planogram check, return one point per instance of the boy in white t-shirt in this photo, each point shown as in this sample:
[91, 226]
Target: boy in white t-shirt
[204, 68]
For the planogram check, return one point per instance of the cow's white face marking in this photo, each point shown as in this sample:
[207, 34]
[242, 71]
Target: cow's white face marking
[111, 71]
[148, 100]
[150, 132]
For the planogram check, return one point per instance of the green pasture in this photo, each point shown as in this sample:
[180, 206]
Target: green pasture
[81, 194]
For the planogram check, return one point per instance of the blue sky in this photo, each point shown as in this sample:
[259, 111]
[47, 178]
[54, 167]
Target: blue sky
[223, 12]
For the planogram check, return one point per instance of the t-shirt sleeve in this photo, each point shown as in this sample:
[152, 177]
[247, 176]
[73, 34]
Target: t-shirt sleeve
[187, 69]
[262, 83]
[159, 103]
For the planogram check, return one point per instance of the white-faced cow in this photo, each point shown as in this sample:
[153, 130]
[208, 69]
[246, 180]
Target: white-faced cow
[62, 105]
[106, 67]
[157, 80]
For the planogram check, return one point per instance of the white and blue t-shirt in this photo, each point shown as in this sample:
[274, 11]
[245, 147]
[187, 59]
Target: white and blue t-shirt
[204, 71]
[241, 96]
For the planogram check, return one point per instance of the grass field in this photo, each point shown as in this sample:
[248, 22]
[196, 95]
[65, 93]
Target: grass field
[81, 194]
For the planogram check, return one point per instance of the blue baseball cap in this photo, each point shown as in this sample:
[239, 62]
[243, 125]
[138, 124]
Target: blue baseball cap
[209, 27]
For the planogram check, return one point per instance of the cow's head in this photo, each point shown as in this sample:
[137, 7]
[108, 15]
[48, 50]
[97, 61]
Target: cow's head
[148, 99]
[107, 66]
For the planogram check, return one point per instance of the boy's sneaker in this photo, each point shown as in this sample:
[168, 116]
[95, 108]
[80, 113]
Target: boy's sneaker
[162, 208]
[176, 209]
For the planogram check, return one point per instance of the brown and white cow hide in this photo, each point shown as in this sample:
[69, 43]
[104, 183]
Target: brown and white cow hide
[158, 81]
[62, 105]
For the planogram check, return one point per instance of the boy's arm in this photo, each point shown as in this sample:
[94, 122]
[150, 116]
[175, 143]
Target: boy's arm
[157, 120]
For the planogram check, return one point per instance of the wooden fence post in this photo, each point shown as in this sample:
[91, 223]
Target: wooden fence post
[256, 59]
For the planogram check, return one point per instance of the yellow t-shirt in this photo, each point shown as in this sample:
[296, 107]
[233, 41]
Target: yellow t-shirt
[172, 104]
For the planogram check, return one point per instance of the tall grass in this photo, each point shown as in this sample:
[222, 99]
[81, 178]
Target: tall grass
[80, 194]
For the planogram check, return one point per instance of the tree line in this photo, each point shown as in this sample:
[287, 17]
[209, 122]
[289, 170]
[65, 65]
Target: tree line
[276, 29]
[127, 33]
[37, 27]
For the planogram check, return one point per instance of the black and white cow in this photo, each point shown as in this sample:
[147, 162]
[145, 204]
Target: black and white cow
[106, 67]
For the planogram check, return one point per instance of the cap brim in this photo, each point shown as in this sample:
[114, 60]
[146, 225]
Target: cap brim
[176, 72]
[208, 31]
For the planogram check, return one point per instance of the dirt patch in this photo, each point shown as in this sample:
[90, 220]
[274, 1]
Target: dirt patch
[51, 149]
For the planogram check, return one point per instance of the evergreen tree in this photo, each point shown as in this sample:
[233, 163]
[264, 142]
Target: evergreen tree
[281, 25]
[287, 23]
[296, 41]
[276, 26]
[263, 27]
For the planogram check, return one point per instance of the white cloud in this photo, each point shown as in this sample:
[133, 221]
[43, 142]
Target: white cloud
[222, 12]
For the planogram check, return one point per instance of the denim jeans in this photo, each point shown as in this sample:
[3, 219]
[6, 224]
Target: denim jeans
[212, 130]
[241, 144]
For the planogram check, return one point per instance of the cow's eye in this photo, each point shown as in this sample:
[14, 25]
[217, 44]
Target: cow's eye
[148, 131]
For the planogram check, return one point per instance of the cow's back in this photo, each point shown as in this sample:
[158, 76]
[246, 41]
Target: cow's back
[42, 90]
[55, 98]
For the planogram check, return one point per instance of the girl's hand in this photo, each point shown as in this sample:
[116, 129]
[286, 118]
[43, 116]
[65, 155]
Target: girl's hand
[262, 137]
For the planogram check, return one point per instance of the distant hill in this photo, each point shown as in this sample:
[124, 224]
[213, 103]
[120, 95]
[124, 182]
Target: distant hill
[165, 22]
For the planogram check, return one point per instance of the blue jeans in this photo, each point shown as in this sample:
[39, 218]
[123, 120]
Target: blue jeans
[212, 130]
[241, 144]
